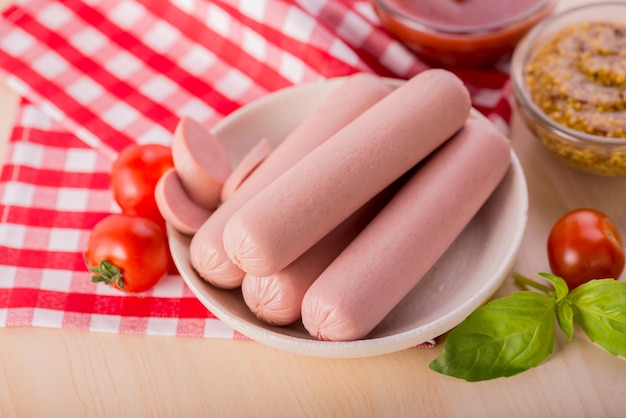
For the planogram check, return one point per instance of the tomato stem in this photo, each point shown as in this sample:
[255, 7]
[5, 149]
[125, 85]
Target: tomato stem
[107, 273]
[524, 282]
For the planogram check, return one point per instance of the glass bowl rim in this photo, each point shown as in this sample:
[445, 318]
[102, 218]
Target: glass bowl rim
[422, 25]
[518, 62]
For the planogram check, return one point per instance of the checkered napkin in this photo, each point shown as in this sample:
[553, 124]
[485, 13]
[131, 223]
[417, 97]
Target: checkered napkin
[98, 75]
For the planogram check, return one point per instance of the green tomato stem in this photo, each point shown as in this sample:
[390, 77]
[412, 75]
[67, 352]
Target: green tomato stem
[107, 273]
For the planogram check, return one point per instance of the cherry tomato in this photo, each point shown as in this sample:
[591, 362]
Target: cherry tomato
[134, 176]
[584, 244]
[127, 252]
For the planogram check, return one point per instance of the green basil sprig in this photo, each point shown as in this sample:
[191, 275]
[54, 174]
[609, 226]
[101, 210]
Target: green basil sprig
[513, 334]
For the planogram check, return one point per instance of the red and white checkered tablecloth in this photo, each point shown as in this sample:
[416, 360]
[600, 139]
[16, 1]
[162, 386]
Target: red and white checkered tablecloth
[98, 75]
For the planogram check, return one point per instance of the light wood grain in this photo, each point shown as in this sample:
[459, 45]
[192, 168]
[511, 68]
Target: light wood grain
[52, 373]
[8, 108]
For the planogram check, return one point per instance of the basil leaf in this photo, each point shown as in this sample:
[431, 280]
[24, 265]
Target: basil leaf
[600, 310]
[502, 338]
[565, 318]
[564, 311]
[560, 286]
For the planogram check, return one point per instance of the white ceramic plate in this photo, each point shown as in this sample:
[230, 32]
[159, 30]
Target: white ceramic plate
[463, 279]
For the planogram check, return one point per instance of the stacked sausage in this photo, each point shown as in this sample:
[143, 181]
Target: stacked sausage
[339, 222]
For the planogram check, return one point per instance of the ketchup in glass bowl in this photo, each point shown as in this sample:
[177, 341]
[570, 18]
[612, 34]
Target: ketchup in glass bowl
[462, 33]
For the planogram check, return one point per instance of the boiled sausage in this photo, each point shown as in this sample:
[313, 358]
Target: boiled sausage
[246, 166]
[201, 162]
[346, 102]
[175, 205]
[305, 203]
[384, 262]
[277, 299]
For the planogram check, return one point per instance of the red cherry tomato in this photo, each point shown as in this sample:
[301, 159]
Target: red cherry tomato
[584, 244]
[127, 252]
[134, 176]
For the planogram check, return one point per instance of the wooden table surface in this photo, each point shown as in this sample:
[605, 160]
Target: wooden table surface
[48, 372]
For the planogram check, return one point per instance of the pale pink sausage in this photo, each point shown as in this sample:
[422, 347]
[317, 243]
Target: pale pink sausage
[276, 299]
[246, 166]
[345, 103]
[305, 203]
[399, 246]
[175, 205]
[201, 162]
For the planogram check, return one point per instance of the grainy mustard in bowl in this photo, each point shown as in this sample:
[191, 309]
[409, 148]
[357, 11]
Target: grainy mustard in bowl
[569, 79]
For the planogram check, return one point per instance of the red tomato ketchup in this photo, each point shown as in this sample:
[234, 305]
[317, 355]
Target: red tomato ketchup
[462, 33]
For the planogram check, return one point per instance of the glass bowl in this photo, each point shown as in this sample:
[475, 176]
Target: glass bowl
[591, 152]
[460, 36]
